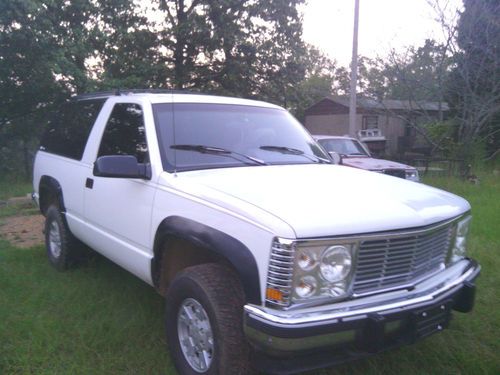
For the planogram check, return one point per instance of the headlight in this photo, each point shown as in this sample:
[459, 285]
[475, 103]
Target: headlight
[306, 287]
[335, 263]
[412, 175]
[322, 272]
[306, 259]
[459, 249]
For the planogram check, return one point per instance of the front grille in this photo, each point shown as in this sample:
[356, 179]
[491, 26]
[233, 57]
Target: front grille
[397, 260]
[401, 173]
[280, 272]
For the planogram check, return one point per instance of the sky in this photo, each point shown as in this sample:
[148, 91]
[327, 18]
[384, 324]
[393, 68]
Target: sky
[383, 24]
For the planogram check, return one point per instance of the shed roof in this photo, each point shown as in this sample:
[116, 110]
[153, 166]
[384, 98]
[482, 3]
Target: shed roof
[390, 104]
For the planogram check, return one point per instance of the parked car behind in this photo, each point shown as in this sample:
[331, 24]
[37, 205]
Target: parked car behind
[354, 154]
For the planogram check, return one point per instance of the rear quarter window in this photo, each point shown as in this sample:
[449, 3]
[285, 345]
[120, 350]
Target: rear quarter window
[68, 129]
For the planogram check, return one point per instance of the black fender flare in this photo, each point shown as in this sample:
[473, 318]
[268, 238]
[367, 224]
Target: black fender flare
[229, 248]
[50, 184]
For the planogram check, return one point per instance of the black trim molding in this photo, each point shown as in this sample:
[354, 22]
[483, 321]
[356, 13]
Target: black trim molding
[53, 188]
[231, 249]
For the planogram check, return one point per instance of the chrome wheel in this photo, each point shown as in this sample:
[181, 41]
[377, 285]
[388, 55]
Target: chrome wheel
[195, 335]
[55, 240]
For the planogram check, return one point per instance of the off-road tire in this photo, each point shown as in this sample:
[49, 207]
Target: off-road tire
[218, 290]
[71, 249]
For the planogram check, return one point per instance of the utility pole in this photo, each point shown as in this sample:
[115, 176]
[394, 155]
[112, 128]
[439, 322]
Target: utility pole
[354, 73]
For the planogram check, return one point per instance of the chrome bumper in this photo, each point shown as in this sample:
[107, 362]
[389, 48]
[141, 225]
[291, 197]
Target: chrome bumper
[370, 323]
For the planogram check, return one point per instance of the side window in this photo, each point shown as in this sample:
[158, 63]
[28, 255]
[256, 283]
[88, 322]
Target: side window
[68, 130]
[125, 133]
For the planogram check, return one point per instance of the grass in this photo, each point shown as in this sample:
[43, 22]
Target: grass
[14, 188]
[94, 320]
[99, 319]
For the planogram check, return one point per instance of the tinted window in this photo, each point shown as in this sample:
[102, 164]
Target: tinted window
[256, 132]
[125, 133]
[69, 128]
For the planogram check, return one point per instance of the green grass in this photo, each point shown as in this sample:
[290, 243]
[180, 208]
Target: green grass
[14, 188]
[95, 320]
[99, 319]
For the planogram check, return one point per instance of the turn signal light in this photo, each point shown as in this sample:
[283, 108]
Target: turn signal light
[274, 294]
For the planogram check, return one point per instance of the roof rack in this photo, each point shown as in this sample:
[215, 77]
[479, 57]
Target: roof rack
[119, 92]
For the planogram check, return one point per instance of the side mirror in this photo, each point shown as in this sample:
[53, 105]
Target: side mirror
[121, 166]
[336, 157]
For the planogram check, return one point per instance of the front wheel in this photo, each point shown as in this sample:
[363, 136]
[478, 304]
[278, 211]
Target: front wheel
[204, 310]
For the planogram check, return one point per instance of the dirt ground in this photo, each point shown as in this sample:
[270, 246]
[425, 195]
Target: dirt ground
[22, 230]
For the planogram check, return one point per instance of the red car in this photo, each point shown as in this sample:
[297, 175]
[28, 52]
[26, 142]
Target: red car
[354, 154]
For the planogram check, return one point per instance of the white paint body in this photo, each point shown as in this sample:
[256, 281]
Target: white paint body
[119, 217]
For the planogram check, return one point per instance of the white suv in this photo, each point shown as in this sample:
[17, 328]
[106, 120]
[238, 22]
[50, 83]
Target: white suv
[270, 257]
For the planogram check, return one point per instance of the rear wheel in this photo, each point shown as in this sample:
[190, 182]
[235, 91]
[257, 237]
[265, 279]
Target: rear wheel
[204, 310]
[63, 249]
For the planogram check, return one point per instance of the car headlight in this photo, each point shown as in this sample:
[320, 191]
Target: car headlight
[322, 272]
[412, 175]
[459, 249]
[335, 263]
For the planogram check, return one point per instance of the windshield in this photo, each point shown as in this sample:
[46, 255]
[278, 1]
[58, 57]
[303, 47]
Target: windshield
[345, 147]
[222, 135]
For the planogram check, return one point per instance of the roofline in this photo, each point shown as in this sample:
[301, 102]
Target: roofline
[211, 98]
[122, 92]
[359, 105]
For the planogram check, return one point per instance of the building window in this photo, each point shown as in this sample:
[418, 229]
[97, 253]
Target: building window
[370, 122]
[409, 130]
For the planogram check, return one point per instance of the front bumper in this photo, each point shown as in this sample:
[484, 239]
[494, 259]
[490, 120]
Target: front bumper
[299, 340]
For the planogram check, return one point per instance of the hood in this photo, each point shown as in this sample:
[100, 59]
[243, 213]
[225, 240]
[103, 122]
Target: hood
[373, 164]
[324, 200]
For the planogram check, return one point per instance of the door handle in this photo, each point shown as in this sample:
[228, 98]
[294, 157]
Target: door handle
[89, 183]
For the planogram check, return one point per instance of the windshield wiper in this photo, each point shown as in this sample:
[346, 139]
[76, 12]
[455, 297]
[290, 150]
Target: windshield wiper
[217, 151]
[294, 151]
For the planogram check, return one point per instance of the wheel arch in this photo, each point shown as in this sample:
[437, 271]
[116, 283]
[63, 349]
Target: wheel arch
[211, 245]
[50, 190]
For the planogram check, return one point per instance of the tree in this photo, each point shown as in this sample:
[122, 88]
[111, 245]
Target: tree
[127, 48]
[475, 80]
[43, 49]
[237, 47]
[322, 78]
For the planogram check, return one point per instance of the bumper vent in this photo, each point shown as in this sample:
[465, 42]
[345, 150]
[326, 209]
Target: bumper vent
[279, 277]
[399, 260]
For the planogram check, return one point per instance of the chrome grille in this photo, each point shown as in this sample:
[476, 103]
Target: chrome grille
[280, 272]
[397, 260]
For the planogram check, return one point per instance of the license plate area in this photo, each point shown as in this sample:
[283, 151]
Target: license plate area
[433, 319]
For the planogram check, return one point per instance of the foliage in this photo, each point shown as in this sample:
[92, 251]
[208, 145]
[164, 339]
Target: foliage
[442, 133]
[244, 48]
[475, 80]
[322, 78]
